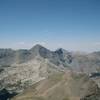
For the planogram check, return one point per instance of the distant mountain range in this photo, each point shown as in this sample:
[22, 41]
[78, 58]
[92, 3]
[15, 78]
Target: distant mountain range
[74, 61]
[22, 68]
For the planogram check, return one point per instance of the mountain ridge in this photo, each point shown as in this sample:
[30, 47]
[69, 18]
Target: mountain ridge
[58, 57]
[20, 69]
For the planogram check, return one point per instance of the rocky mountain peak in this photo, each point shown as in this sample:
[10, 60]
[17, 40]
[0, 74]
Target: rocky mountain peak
[39, 50]
[61, 51]
[37, 46]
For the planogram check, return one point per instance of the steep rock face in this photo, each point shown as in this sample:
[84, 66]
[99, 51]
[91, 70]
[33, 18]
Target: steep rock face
[62, 86]
[64, 57]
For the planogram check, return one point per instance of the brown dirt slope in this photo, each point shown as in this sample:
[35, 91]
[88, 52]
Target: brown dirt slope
[62, 86]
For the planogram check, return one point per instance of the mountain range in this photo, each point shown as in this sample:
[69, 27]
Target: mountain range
[22, 69]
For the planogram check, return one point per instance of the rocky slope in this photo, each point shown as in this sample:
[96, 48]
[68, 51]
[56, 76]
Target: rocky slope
[62, 86]
[19, 69]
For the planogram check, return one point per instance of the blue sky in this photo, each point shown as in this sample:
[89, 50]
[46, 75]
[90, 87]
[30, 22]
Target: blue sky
[70, 24]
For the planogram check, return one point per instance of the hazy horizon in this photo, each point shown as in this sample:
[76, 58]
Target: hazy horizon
[69, 24]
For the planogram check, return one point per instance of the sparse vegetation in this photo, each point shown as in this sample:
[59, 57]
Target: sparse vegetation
[22, 68]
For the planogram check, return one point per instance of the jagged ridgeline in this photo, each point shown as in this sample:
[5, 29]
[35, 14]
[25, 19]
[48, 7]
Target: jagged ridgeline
[20, 69]
[76, 61]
